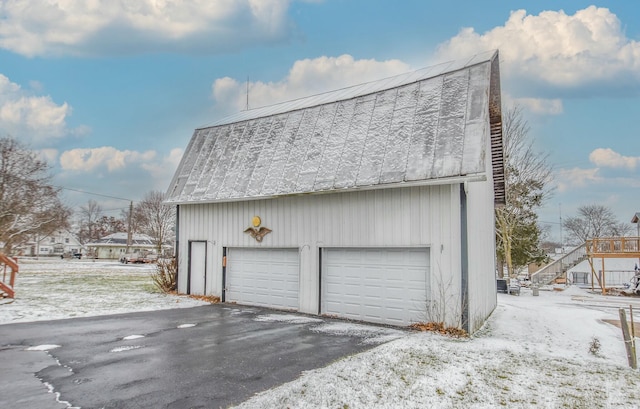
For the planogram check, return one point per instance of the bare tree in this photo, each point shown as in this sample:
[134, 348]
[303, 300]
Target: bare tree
[29, 204]
[526, 175]
[155, 218]
[89, 227]
[106, 225]
[594, 221]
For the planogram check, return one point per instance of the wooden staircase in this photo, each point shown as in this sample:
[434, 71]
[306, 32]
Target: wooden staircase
[8, 269]
[558, 268]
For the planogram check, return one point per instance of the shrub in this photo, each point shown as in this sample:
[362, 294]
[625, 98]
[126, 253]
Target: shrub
[165, 275]
[594, 346]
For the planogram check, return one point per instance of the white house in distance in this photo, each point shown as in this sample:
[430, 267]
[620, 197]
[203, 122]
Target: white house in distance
[373, 203]
[56, 244]
[114, 246]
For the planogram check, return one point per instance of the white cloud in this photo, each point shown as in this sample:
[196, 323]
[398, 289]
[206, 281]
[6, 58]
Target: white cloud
[33, 118]
[606, 157]
[168, 164]
[54, 27]
[48, 155]
[540, 105]
[112, 159]
[576, 177]
[306, 77]
[555, 48]
[162, 170]
[108, 163]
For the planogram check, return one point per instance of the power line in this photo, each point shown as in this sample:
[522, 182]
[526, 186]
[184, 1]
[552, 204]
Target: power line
[544, 222]
[92, 193]
[9, 175]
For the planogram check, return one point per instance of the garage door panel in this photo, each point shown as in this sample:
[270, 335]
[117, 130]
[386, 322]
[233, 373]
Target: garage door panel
[263, 277]
[388, 286]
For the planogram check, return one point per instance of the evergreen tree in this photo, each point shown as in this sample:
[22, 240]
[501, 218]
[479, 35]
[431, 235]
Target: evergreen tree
[526, 175]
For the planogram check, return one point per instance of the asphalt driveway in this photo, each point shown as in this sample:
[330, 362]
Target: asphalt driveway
[204, 357]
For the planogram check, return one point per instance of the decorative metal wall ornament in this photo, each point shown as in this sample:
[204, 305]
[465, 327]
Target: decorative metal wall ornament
[256, 231]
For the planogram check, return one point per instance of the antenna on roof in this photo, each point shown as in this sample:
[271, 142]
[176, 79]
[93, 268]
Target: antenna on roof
[247, 93]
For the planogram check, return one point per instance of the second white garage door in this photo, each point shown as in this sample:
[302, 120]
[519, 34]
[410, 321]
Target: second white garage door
[386, 286]
[263, 277]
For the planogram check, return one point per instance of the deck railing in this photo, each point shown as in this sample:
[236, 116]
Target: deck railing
[557, 268]
[613, 246]
[8, 277]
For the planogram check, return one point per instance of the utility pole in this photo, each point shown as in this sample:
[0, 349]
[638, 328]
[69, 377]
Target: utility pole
[561, 244]
[561, 241]
[129, 227]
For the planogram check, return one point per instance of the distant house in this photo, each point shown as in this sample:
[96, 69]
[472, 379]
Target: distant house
[373, 203]
[114, 246]
[56, 244]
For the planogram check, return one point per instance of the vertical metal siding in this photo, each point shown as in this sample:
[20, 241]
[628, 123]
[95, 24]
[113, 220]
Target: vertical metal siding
[482, 290]
[404, 217]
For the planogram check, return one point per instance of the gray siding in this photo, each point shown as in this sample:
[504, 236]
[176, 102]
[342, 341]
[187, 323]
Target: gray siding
[426, 216]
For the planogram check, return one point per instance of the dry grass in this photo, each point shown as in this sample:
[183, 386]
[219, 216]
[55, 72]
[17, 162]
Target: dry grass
[212, 299]
[439, 328]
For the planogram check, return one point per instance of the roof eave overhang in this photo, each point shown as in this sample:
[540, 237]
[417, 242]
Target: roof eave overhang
[454, 180]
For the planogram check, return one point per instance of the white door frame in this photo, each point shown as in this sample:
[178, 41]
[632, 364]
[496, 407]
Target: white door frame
[197, 261]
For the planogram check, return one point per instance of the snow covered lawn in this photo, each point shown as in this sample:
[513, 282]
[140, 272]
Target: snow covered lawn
[533, 351]
[49, 289]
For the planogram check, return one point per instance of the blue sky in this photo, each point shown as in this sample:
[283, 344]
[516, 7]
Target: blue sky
[111, 91]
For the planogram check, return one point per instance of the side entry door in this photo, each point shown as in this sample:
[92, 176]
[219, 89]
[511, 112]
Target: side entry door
[197, 267]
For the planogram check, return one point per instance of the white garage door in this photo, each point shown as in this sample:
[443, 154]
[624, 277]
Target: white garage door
[263, 277]
[386, 286]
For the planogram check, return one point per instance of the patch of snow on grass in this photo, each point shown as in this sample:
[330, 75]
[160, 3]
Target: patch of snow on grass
[130, 337]
[289, 318]
[533, 352]
[125, 348]
[49, 289]
[186, 325]
[45, 347]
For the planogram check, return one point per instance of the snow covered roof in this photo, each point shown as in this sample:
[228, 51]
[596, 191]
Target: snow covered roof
[120, 239]
[433, 126]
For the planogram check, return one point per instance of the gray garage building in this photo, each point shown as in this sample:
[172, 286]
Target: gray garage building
[374, 202]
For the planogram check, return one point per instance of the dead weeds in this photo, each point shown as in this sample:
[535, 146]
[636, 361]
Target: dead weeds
[211, 299]
[440, 329]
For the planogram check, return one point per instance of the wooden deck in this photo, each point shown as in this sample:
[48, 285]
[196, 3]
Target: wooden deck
[610, 247]
[614, 247]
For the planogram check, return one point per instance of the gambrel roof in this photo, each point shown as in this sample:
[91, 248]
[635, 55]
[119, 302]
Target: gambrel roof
[438, 125]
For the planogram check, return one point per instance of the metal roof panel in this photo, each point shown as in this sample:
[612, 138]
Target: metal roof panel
[429, 124]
